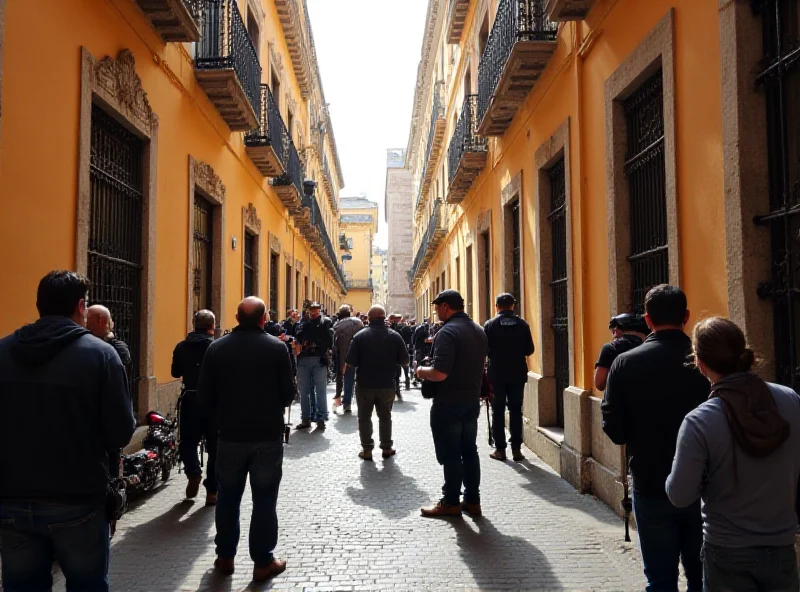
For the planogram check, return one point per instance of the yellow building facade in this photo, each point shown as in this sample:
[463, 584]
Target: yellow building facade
[578, 152]
[359, 223]
[161, 148]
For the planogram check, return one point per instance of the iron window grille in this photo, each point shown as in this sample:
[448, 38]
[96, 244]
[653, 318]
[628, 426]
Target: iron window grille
[289, 276]
[516, 20]
[465, 137]
[487, 273]
[115, 231]
[779, 80]
[202, 245]
[516, 251]
[273, 281]
[646, 174]
[557, 219]
[225, 44]
[468, 265]
[249, 265]
[294, 172]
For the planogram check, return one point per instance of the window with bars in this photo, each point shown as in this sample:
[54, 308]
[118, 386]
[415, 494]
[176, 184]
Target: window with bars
[249, 264]
[779, 80]
[557, 218]
[203, 243]
[646, 175]
[273, 281]
[289, 276]
[468, 271]
[114, 251]
[487, 274]
[516, 252]
[296, 290]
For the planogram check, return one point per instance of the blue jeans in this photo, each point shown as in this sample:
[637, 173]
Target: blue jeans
[455, 435]
[263, 461]
[507, 395]
[667, 536]
[194, 424]
[32, 534]
[349, 385]
[750, 569]
[312, 382]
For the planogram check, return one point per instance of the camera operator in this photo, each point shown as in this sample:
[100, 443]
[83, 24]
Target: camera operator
[422, 346]
[407, 333]
[194, 420]
[627, 331]
[314, 340]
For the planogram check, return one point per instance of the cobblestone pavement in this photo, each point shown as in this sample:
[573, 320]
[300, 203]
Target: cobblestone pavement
[346, 524]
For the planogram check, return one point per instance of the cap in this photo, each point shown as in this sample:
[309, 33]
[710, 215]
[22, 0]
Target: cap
[451, 298]
[505, 300]
[315, 305]
[629, 322]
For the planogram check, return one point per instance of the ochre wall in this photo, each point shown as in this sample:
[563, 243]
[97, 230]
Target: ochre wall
[360, 300]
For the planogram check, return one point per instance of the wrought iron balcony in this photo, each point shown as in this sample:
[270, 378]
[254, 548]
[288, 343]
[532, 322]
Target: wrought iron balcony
[359, 284]
[435, 139]
[568, 10]
[466, 156]
[174, 20]
[344, 244]
[457, 19]
[268, 144]
[289, 186]
[227, 65]
[321, 242]
[520, 45]
[433, 237]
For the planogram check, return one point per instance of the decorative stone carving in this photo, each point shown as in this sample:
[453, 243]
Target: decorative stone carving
[299, 265]
[118, 79]
[484, 221]
[251, 218]
[275, 59]
[274, 243]
[208, 181]
[288, 258]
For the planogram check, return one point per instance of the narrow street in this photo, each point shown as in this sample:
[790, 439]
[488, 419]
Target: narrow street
[346, 524]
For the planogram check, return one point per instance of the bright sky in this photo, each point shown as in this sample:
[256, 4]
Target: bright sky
[368, 52]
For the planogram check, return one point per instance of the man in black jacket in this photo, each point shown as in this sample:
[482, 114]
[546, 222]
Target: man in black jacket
[195, 421]
[510, 343]
[246, 382]
[649, 392]
[376, 352]
[100, 323]
[314, 340]
[64, 403]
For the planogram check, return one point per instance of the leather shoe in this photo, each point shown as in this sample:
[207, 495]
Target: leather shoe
[264, 573]
[473, 510]
[517, 455]
[498, 455]
[365, 455]
[193, 486]
[211, 499]
[388, 452]
[224, 566]
[441, 510]
[303, 425]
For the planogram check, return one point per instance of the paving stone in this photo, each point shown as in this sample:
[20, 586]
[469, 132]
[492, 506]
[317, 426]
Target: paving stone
[346, 524]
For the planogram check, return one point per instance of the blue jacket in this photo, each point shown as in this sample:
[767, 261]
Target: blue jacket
[64, 402]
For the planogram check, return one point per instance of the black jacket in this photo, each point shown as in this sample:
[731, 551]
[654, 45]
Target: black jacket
[64, 403]
[316, 336]
[420, 335]
[407, 333]
[510, 343]
[376, 351]
[246, 383]
[122, 350]
[188, 356]
[459, 350]
[650, 390]
[274, 328]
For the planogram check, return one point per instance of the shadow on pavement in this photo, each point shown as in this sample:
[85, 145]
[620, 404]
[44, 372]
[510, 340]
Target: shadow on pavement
[385, 487]
[304, 442]
[404, 406]
[346, 423]
[492, 556]
[214, 582]
[553, 489]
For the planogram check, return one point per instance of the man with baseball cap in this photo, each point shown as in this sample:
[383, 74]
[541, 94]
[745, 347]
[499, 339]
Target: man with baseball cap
[510, 344]
[459, 355]
[628, 331]
[313, 340]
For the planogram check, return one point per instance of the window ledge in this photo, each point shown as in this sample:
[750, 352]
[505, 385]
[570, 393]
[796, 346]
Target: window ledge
[555, 434]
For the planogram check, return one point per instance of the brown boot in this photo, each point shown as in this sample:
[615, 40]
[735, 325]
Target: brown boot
[211, 499]
[365, 455]
[265, 572]
[517, 455]
[473, 510]
[224, 566]
[441, 510]
[388, 452]
[193, 486]
[498, 454]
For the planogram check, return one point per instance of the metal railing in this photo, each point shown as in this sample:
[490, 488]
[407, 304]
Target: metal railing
[271, 130]
[516, 20]
[225, 44]
[362, 284]
[465, 137]
[294, 171]
[437, 113]
[319, 222]
[430, 231]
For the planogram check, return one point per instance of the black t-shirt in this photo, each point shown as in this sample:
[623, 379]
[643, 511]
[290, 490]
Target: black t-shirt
[610, 351]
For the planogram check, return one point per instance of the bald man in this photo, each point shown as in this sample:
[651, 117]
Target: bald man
[100, 323]
[246, 383]
[376, 352]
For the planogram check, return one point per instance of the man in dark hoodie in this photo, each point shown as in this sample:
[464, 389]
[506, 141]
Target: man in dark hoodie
[195, 421]
[650, 391]
[64, 393]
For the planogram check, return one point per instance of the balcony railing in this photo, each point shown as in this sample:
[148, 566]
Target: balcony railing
[268, 144]
[466, 155]
[359, 284]
[174, 20]
[435, 138]
[434, 234]
[321, 240]
[568, 10]
[227, 65]
[518, 50]
[289, 186]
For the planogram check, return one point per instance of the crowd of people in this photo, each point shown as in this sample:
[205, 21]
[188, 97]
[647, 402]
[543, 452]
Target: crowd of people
[713, 451]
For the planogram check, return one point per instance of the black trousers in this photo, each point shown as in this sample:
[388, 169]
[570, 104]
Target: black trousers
[194, 424]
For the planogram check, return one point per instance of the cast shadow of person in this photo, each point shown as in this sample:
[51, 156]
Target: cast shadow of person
[497, 560]
[389, 490]
[303, 443]
[346, 423]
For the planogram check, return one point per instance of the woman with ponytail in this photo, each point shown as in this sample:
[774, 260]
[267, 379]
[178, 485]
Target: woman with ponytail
[740, 452]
